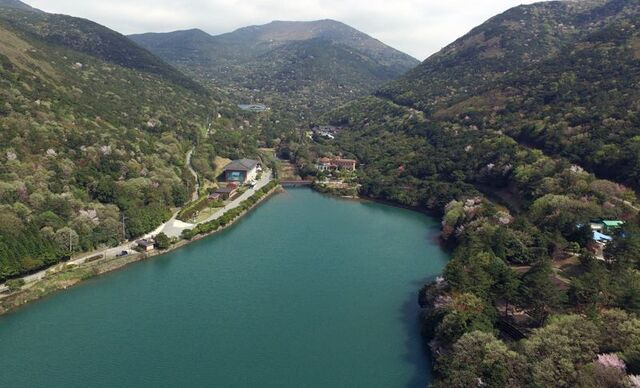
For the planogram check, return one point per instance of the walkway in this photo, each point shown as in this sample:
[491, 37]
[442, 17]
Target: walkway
[266, 178]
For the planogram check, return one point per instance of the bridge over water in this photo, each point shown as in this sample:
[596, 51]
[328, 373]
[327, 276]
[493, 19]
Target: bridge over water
[296, 183]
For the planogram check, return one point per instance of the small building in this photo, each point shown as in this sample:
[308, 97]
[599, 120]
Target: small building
[226, 192]
[242, 170]
[601, 237]
[146, 245]
[598, 244]
[596, 226]
[612, 224]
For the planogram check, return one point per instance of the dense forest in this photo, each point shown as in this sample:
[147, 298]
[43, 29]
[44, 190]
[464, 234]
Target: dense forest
[562, 77]
[520, 134]
[94, 131]
[299, 69]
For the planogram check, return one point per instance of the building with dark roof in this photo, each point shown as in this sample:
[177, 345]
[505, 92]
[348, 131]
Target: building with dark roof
[242, 170]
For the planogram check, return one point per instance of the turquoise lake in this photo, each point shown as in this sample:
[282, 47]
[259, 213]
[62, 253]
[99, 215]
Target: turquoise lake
[305, 291]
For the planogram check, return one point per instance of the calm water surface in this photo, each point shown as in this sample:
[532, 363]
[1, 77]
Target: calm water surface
[306, 291]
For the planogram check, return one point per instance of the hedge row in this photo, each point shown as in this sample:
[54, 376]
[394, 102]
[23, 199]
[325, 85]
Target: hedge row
[229, 216]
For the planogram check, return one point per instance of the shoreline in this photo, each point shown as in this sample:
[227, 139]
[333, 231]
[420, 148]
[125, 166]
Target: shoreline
[358, 197]
[64, 275]
[447, 246]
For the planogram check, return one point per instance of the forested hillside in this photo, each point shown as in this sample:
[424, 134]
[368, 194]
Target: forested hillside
[94, 129]
[562, 77]
[301, 68]
[511, 133]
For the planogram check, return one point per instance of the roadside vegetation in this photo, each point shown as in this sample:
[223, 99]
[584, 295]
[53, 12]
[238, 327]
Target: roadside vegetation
[228, 217]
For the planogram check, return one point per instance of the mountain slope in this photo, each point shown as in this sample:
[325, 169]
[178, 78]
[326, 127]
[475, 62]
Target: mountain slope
[316, 64]
[509, 132]
[93, 129]
[561, 76]
[93, 39]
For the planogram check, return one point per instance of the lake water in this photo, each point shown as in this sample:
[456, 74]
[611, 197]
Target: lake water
[306, 291]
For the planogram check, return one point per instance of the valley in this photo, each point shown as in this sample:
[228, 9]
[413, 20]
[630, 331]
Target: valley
[522, 137]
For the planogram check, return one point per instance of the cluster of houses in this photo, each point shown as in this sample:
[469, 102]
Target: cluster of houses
[326, 131]
[256, 108]
[333, 164]
[601, 235]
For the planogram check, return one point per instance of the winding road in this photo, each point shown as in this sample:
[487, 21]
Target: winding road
[194, 196]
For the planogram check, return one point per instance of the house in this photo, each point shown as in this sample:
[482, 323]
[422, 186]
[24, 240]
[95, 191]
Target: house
[326, 131]
[612, 224]
[227, 192]
[326, 164]
[146, 245]
[606, 225]
[600, 239]
[242, 170]
[345, 164]
[598, 244]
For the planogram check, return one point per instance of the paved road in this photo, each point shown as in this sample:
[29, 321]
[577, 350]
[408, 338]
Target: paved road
[266, 178]
[175, 227]
[108, 252]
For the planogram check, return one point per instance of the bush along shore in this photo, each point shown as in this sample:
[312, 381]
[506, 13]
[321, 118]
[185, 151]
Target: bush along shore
[230, 216]
[64, 275]
[340, 190]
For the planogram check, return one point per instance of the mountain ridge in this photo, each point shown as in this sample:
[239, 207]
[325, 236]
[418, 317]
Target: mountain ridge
[268, 61]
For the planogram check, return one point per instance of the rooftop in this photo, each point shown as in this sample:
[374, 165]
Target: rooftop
[597, 236]
[228, 189]
[241, 165]
[145, 243]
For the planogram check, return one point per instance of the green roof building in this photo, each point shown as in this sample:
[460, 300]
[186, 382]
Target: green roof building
[612, 224]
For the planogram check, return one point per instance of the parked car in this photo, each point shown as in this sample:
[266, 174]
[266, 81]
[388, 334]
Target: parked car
[122, 254]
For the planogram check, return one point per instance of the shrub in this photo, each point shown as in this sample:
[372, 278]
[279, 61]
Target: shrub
[14, 284]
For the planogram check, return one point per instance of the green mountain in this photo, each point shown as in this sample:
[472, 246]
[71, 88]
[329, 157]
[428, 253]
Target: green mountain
[310, 66]
[560, 76]
[93, 128]
[520, 133]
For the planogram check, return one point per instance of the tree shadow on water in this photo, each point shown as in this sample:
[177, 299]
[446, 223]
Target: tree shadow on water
[417, 352]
